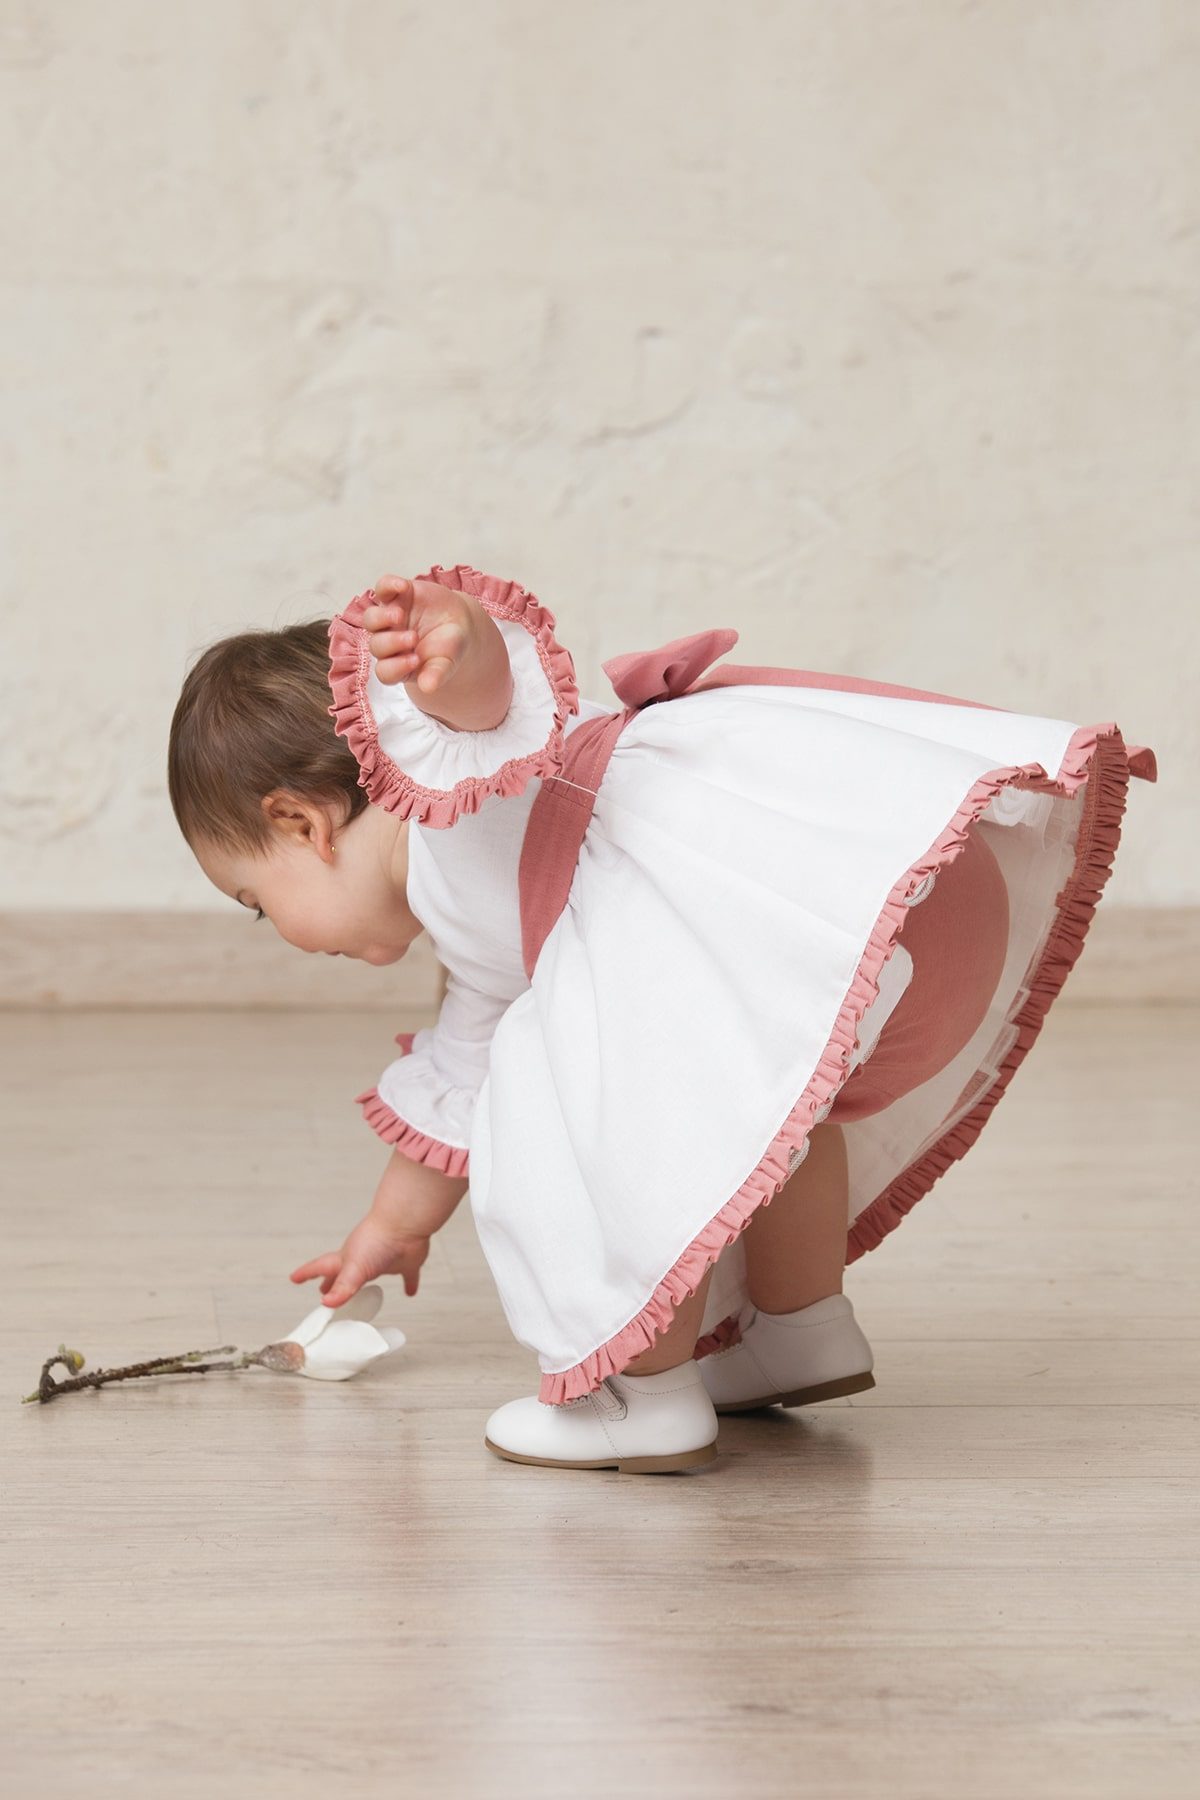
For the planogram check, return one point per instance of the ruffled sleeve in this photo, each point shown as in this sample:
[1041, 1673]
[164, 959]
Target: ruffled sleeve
[420, 768]
[424, 1101]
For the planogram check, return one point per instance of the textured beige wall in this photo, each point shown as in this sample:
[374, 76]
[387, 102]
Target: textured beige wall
[868, 328]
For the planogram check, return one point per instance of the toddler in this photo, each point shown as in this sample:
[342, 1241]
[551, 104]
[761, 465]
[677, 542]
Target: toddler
[734, 970]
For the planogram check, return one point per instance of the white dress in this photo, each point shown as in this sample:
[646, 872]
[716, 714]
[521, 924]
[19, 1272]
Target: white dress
[728, 949]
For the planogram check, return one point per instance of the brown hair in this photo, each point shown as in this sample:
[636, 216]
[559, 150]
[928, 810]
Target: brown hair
[254, 715]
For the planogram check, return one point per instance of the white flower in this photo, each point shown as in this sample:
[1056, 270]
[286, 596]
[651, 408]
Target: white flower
[335, 1342]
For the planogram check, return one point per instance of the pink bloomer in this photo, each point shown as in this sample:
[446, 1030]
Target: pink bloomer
[957, 938]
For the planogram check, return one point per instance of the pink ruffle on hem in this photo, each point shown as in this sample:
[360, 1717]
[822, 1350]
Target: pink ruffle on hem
[405, 1138]
[1099, 834]
[386, 784]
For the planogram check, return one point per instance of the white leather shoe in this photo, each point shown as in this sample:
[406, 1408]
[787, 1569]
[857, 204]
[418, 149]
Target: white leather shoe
[637, 1424]
[790, 1359]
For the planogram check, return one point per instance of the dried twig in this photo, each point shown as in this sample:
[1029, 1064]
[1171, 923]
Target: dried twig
[283, 1356]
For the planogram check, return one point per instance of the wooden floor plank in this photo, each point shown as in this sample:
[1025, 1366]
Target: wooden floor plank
[979, 1579]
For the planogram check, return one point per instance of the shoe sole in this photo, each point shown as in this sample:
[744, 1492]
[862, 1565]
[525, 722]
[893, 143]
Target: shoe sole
[624, 1465]
[828, 1390]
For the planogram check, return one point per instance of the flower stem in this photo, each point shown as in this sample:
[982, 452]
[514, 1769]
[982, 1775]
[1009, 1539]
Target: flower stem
[188, 1362]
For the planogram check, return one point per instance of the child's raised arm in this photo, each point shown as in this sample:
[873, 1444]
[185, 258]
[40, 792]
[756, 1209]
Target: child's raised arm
[444, 647]
[502, 711]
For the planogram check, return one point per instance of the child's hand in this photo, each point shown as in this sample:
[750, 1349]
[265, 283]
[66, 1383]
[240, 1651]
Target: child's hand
[418, 631]
[371, 1249]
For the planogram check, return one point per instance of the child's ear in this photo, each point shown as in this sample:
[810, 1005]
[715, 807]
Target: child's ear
[300, 821]
[282, 809]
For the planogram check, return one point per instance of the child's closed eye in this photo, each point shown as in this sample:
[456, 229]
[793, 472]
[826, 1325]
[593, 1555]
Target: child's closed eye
[259, 913]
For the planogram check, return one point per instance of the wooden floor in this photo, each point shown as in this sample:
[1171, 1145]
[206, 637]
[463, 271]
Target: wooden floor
[978, 1581]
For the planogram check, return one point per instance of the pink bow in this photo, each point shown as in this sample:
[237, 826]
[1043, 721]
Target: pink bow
[643, 676]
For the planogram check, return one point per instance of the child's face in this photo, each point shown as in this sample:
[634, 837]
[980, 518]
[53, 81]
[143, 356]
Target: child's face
[326, 887]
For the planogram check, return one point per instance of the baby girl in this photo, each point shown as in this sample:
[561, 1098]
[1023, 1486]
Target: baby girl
[677, 1002]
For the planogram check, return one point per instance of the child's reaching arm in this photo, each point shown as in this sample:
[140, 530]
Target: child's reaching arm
[411, 1202]
[423, 1106]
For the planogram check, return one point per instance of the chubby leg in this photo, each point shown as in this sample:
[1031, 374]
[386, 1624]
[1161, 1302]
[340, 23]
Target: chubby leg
[800, 1342]
[795, 1250]
[796, 1243]
[675, 1345]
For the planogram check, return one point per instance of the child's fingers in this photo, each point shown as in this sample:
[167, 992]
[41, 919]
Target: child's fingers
[434, 672]
[396, 668]
[391, 604]
[391, 608]
[391, 643]
[394, 661]
[326, 1266]
[384, 618]
[346, 1285]
[393, 587]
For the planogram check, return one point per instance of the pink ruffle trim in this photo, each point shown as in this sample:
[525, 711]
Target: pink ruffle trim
[1099, 834]
[407, 1139]
[389, 786]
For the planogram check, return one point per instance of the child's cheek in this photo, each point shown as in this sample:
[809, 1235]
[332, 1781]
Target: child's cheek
[305, 931]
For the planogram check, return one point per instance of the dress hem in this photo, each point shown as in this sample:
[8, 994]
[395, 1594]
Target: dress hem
[1096, 845]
